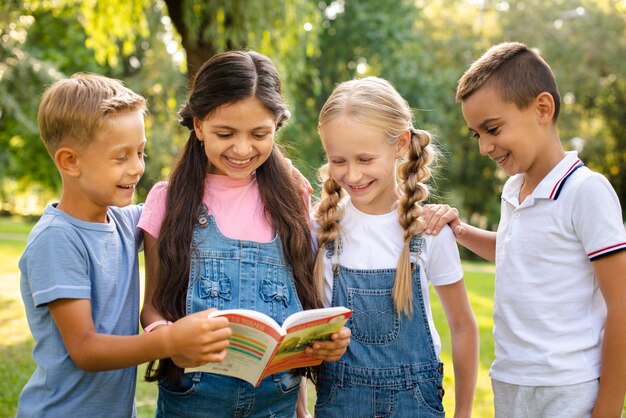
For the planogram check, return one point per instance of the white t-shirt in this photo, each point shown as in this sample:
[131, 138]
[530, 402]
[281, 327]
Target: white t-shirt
[549, 312]
[375, 241]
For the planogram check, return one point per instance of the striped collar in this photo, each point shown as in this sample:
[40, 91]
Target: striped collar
[552, 184]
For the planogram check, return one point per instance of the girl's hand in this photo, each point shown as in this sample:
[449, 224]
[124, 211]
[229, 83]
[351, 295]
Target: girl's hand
[197, 339]
[331, 350]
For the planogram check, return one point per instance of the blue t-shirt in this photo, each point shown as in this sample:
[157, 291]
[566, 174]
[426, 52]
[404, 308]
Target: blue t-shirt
[66, 258]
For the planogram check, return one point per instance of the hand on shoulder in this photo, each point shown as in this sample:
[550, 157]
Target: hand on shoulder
[436, 216]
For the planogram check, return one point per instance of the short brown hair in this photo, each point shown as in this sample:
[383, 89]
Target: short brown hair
[517, 72]
[73, 109]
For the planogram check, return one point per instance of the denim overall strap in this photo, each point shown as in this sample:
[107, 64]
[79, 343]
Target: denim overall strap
[375, 323]
[227, 273]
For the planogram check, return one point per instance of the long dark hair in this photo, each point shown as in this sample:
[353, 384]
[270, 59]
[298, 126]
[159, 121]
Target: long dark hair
[224, 79]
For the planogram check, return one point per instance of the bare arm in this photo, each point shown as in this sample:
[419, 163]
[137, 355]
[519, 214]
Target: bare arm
[464, 335]
[195, 336]
[149, 314]
[611, 274]
[478, 241]
[302, 406]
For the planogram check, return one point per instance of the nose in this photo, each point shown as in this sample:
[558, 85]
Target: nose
[353, 174]
[486, 147]
[241, 145]
[138, 166]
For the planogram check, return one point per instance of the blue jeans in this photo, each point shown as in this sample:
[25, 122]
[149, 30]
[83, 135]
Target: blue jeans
[203, 395]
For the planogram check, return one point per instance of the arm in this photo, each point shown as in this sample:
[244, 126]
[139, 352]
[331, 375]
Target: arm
[610, 272]
[149, 314]
[302, 407]
[195, 336]
[478, 241]
[464, 335]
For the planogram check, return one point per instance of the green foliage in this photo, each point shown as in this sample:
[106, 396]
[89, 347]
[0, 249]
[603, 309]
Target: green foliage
[22, 156]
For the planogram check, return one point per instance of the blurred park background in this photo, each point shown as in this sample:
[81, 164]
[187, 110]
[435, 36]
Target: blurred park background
[421, 46]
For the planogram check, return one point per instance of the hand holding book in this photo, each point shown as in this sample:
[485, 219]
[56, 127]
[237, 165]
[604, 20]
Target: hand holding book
[259, 347]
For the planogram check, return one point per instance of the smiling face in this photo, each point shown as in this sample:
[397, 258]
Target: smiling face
[510, 136]
[105, 172]
[238, 138]
[362, 162]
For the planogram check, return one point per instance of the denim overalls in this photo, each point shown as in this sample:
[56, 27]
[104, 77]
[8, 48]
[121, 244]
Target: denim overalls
[226, 274]
[390, 368]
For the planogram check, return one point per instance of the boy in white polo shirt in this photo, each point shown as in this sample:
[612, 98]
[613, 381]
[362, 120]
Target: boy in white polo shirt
[560, 297]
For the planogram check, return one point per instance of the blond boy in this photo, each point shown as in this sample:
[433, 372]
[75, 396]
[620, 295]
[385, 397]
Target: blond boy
[79, 271]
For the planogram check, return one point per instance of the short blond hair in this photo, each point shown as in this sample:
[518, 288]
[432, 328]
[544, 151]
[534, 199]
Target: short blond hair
[72, 110]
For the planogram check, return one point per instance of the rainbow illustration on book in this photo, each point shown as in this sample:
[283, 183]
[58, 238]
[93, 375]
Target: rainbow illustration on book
[249, 346]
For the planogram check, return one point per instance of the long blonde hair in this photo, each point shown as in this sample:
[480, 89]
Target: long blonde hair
[375, 103]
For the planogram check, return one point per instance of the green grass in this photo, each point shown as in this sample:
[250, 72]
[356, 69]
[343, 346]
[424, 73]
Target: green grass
[16, 365]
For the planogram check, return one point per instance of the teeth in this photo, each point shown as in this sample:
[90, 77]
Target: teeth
[239, 162]
[360, 187]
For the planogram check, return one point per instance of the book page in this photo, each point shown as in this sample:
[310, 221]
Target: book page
[251, 345]
[302, 333]
[312, 315]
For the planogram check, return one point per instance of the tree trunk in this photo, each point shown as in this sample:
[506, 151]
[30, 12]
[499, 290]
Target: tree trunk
[197, 52]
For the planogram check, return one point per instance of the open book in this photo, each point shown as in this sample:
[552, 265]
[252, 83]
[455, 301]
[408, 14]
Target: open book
[259, 347]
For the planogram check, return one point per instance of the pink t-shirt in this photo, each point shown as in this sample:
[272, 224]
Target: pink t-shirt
[235, 203]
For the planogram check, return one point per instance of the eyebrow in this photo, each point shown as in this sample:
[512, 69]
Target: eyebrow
[487, 122]
[268, 126]
[484, 124]
[122, 147]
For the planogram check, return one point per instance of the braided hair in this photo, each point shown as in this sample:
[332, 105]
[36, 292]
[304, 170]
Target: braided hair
[373, 102]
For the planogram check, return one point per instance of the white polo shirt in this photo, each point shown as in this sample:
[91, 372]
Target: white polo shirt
[549, 312]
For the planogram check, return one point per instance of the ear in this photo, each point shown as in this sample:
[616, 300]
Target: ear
[197, 127]
[68, 161]
[403, 143]
[544, 103]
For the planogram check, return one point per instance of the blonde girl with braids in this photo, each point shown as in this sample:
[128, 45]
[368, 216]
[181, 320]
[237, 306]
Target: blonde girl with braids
[230, 230]
[374, 259]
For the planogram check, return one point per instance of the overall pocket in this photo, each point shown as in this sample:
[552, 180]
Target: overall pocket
[374, 319]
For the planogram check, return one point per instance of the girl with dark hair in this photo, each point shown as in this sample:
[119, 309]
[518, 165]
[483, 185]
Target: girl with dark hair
[230, 230]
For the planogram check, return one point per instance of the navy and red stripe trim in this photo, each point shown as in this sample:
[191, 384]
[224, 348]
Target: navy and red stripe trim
[607, 251]
[559, 184]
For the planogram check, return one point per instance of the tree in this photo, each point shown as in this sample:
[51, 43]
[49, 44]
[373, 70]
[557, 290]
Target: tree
[584, 42]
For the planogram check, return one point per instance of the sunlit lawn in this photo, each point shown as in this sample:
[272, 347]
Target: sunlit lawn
[16, 364]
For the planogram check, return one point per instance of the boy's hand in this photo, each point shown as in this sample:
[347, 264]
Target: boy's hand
[436, 216]
[197, 339]
[331, 350]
